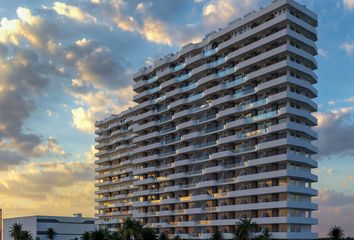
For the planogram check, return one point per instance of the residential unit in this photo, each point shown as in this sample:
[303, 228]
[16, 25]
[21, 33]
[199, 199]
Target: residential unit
[67, 228]
[221, 130]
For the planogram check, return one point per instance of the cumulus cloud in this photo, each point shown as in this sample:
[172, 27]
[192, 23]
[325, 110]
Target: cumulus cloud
[73, 12]
[24, 76]
[333, 128]
[49, 187]
[348, 47]
[95, 105]
[96, 65]
[335, 206]
[348, 4]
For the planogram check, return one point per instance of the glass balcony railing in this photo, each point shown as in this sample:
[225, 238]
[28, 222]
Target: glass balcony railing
[217, 62]
[244, 92]
[189, 87]
[210, 52]
[236, 81]
[179, 67]
[213, 129]
[154, 90]
[195, 97]
[225, 72]
[171, 140]
[205, 118]
[183, 77]
[165, 119]
[152, 79]
[263, 116]
[205, 144]
[244, 149]
[156, 100]
[167, 130]
[163, 154]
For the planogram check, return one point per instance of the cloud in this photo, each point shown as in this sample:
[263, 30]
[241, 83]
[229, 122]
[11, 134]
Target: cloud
[323, 53]
[23, 76]
[155, 31]
[348, 4]
[335, 209]
[95, 105]
[333, 128]
[49, 187]
[73, 12]
[96, 65]
[348, 47]
[9, 158]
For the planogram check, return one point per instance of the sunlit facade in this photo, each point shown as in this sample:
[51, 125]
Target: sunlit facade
[221, 130]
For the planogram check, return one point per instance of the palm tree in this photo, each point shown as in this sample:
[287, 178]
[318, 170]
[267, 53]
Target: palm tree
[335, 232]
[265, 235]
[115, 236]
[51, 233]
[163, 236]
[217, 235]
[86, 235]
[16, 231]
[131, 230]
[244, 229]
[99, 234]
[26, 235]
[148, 234]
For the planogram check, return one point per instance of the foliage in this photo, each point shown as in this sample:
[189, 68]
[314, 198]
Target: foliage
[148, 234]
[335, 232]
[244, 229]
[51, 233]
[217, 235]
[16, 231]
[163, 236]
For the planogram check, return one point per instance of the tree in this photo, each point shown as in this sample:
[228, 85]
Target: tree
[163, 236]
[244, 229]
[99, 234]
[131, 230]
[51, 233]
[148, 234]
[265, 235]
[26, 235]
[217, 235]
[86, 235]
[335, 232]
[176, 237]
[115, 236]
[16, 231]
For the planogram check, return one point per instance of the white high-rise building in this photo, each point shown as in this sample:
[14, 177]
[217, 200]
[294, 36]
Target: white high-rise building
[221, 130]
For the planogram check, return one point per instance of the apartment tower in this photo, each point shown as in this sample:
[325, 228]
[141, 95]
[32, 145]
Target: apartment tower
[221, 130]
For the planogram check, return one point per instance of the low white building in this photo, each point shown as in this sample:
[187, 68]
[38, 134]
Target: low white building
[67, 228]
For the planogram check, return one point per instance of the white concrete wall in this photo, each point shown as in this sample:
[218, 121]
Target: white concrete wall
[28, 223]
[67, 228]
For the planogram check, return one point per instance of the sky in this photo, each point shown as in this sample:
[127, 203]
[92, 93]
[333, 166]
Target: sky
[65, 64]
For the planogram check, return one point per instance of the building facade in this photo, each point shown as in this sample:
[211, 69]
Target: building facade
[67, 228]
[221, 130]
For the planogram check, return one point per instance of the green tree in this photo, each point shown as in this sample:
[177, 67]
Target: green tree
[148, 234]
[99, 234]
[86, 235]
[26, 235]
[265, 235]
[335, 232]
[131, 230]
[16, 231]
[51, 233]
[163, 236]
[176, 237]
[244, 229]
[115, 236]
[217, 235]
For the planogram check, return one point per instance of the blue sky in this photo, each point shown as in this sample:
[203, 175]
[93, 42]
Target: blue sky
[65, 64]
